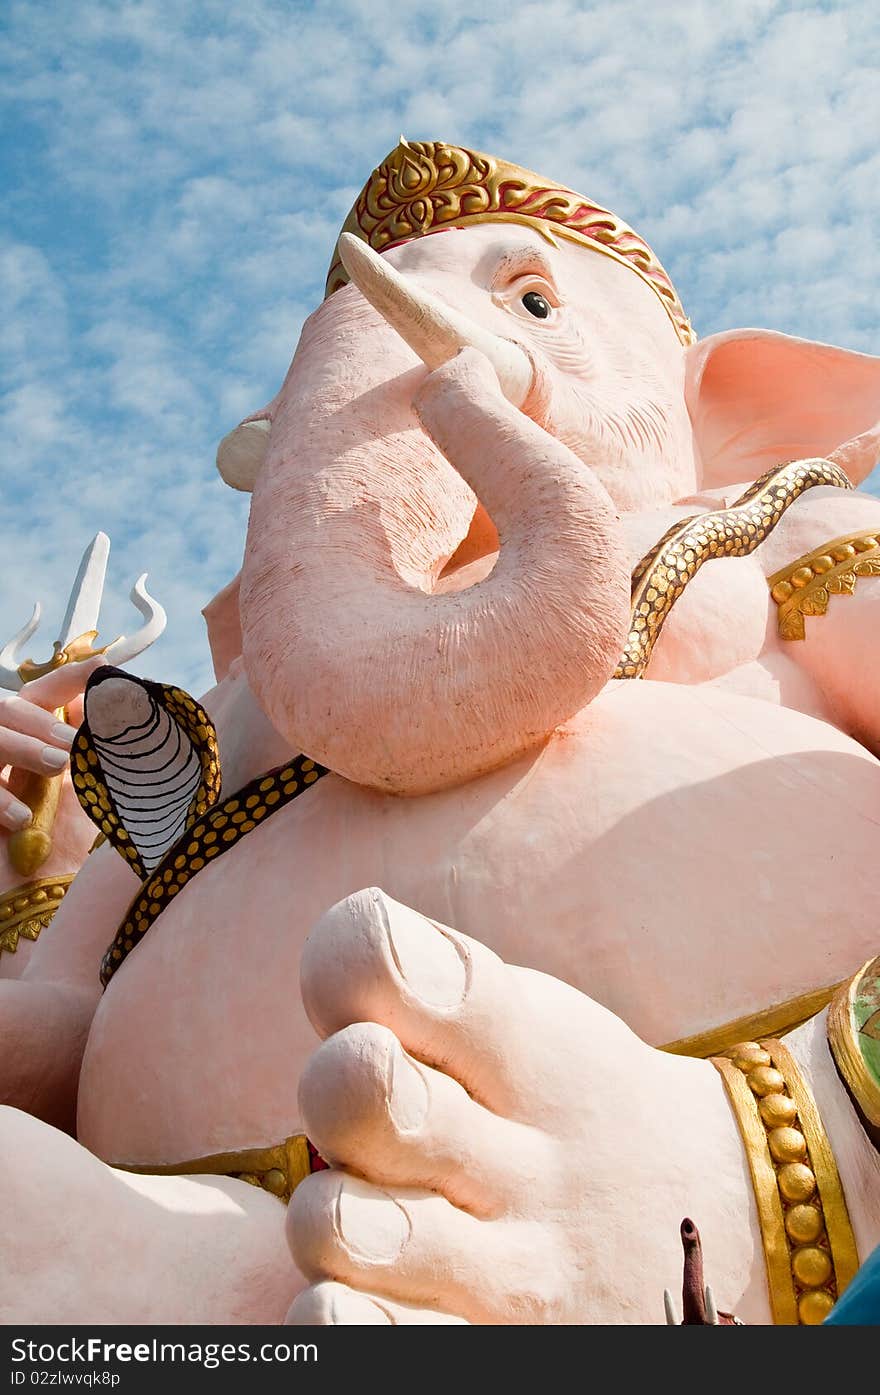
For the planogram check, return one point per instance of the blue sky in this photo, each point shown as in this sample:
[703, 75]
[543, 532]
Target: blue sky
[175, 172]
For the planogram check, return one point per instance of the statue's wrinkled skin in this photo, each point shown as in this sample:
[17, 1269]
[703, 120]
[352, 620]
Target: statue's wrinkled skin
[434, 597]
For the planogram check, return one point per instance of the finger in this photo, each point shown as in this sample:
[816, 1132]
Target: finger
[30, 753]
[370, 1108]
[415, 1247]
[449, 999]
[336, 1305]
[19, 715]
[59, 688]
[73, 711]
[13, 814]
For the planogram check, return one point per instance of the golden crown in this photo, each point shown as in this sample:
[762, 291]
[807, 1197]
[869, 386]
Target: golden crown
[427, 186]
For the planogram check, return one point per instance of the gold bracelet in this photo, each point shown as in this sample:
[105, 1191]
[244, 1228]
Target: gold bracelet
[854, 1039]
[809, 1247]
[28, 909]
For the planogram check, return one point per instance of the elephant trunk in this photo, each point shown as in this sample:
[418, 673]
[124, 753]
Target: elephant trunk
[372, 479]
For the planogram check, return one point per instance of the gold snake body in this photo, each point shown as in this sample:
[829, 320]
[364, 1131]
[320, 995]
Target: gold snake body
[665, 571]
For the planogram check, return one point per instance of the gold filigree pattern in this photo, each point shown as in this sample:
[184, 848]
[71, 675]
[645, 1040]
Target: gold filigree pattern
[662, 575]
[26, 910]
[809, 1246]
[421, 187]
[806, 586]
[426, 187]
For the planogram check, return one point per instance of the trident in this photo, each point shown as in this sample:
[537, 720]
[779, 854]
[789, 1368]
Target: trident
[29, 848]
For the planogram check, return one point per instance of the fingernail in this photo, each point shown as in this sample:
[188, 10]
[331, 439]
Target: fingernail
[18, 816]
[426, 958]
[55, 760]
[369, 1222]
[408, 1095]
[62, 732]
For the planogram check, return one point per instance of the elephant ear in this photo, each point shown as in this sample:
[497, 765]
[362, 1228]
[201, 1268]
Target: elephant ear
[757, 398]
[223, 620]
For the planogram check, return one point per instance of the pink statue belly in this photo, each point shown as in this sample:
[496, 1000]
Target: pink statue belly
[681, 854]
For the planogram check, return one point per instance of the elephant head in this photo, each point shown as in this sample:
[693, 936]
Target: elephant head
[435, 576]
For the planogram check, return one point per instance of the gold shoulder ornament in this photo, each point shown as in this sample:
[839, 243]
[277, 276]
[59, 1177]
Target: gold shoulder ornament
[806, 586]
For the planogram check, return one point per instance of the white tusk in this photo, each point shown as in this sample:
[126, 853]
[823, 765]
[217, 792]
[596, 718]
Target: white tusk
[122, 650]
[11, 654]
[241, 454]
[433, 329]
[671, 1319]
[711, 1310]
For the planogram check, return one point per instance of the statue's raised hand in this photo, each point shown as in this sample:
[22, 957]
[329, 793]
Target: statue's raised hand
[43, 1020]
[33, 738]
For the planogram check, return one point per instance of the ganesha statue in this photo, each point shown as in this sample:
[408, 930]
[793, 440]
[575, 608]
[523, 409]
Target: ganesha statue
[511, 896]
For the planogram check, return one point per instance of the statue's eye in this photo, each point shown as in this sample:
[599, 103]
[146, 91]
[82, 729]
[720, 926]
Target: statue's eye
[536, 305]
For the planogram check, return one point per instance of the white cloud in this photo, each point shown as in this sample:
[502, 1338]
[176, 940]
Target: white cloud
[179, 172]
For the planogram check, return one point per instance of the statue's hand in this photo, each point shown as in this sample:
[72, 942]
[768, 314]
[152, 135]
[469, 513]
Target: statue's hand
[503, 1149]
[31, 735]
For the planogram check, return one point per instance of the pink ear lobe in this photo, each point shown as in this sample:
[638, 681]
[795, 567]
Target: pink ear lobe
[757, 398]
